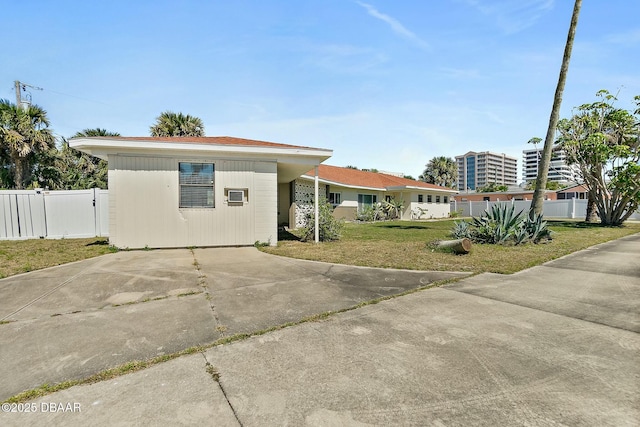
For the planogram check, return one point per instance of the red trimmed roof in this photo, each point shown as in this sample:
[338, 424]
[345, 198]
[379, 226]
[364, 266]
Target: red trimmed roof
[577, 188]
[358, 178]
[215, 140]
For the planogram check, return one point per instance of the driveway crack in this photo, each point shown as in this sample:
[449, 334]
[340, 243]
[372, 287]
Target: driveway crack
[202, 283]
[46, 294]
[215, 375]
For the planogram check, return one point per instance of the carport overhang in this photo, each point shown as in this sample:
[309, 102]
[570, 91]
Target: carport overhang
[292, 161]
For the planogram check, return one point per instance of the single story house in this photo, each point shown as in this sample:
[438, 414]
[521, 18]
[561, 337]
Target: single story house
[187, 191]
[350, 190]
[577, 191]
[501, 196]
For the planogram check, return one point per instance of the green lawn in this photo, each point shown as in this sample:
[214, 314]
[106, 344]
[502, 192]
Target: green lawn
[402, 244]
[20, 256]
[397, 244]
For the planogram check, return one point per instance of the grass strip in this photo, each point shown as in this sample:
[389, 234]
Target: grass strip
[405, 245]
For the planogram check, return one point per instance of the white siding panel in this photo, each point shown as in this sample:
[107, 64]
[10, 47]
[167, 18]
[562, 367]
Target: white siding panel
[113, 180]
[236, 221]
[145, 197]
[144, 203]
[266, 201]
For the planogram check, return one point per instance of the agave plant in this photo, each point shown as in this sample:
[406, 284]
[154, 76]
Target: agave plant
[536, 228]
[521, 235]
[497, 225]
[502, 225]
[461, 230]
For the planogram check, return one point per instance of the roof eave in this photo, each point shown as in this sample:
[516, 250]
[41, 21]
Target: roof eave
[102, 148]
[417, 188]
[342, 184]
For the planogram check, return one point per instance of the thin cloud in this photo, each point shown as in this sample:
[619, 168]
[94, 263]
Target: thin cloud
[345, 58]
[512, 16]
[460, 73]
[628, 38]
[395, 25]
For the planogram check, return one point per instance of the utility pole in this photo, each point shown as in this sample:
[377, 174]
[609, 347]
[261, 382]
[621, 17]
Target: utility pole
[23, 87]
[18, 97]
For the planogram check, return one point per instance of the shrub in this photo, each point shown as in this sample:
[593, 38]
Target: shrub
[503, 225]
[366, 214]
[330, 228]
[393, 208]
[385, 210]
[455, 214]
[371, 213]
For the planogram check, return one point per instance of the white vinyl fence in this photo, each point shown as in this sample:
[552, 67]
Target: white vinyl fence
[36, 214]
[570, 209]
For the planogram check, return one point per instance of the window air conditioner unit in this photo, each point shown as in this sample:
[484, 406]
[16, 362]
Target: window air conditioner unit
[235, 196]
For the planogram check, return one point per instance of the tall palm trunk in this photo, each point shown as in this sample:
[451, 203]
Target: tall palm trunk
[20, 172]
[543, 167]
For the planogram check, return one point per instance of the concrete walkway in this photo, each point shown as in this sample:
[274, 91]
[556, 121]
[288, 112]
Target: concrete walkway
[554, 345]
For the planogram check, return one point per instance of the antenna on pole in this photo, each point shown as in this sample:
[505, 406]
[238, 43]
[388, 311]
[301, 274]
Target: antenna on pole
[22, 87]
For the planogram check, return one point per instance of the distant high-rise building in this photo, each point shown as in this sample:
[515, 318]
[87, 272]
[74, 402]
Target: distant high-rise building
[477, 170]
[559, 171]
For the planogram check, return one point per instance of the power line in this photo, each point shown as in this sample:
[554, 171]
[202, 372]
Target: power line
[22, 87]
[78, 97]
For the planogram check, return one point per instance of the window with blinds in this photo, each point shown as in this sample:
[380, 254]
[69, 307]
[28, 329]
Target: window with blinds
[196, 185]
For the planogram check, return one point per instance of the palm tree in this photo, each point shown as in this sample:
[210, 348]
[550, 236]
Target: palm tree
[543, 167]
[80, 170]
[442, 171]
[23, 133]
[94, 132]
[172, 124]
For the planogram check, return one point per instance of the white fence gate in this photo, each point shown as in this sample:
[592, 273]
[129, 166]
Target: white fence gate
[33, 214]
[570, 209]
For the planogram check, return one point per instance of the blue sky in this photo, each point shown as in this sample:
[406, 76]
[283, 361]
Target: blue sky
[386, 84]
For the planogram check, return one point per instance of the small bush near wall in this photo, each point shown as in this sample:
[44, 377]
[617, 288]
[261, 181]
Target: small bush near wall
[330, 228]
[381, 211]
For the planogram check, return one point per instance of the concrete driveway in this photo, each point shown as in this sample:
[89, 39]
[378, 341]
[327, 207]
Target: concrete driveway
[554, 345]
[72, 321]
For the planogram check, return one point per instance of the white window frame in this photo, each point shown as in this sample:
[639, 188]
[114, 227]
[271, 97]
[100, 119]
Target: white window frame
[211, 199]
[361, 205]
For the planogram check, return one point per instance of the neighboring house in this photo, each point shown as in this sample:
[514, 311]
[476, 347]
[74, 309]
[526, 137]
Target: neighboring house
[207, 191]
[351, 190]
[502, 196]
[577, 191]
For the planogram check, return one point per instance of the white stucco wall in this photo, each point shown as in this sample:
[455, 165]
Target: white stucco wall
[349, 198]
[434, 210]
[144, 204]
